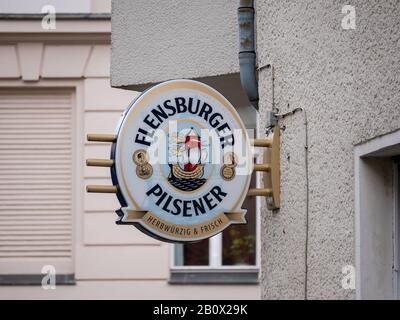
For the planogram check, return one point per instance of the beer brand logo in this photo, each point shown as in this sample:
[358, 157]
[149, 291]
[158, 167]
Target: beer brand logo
[187, 171]
[182, 162]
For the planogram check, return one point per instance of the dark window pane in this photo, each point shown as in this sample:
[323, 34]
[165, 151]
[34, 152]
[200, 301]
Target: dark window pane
[239, 241]
[196, 254]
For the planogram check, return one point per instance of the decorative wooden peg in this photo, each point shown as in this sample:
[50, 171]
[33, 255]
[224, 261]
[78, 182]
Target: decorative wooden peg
[101, 189]
[101, 137]
[99, 163]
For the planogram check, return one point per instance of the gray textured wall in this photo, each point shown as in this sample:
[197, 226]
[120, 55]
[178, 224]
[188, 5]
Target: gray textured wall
[348, 81]
[157, 40]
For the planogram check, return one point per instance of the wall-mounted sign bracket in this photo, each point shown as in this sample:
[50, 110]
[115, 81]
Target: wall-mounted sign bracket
[101, 163]
[271, 170]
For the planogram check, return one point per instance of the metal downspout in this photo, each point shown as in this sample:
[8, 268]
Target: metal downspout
[247, 52]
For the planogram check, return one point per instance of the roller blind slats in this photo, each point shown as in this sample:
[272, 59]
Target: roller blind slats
[35, 177]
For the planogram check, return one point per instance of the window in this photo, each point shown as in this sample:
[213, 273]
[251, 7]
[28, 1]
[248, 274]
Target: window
[230, 256]
[35, 184]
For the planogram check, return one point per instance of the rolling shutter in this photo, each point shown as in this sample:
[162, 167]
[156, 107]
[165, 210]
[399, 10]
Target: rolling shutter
[35, 180]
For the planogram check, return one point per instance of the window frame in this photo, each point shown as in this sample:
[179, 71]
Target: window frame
[396, 228]
[384, 147]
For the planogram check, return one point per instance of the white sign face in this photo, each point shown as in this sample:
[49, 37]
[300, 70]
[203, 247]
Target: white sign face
[182, 162]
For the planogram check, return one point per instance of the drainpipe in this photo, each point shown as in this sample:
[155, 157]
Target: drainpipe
[247, 52]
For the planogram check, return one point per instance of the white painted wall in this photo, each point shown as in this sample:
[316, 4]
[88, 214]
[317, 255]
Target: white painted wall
[61, 6]
[35, 6]
[133, 290]
[100, 6]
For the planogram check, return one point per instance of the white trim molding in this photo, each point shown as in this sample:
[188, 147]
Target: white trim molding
[374, 216]
[68, 31]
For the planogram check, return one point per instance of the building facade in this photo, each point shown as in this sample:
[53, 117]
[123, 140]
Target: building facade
[329, 71]
[55, 89]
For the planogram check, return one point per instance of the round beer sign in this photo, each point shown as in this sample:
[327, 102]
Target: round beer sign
[182, 162]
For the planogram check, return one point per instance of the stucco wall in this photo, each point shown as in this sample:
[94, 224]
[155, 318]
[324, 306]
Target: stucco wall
[155, 40]
[348, 82]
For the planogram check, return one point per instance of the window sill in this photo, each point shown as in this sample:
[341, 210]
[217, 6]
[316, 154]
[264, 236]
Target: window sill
[214, 276]
[34, 279]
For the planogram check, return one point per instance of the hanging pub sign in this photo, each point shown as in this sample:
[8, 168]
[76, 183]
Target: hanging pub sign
[181, 162]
